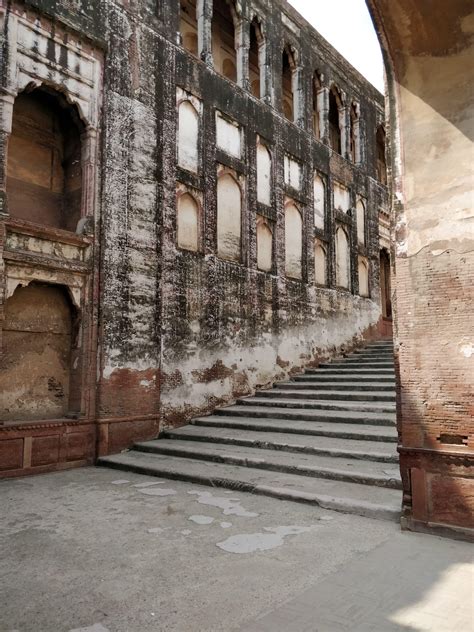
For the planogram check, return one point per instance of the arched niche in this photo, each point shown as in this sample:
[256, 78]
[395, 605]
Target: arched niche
[188, 136]
[315, 118]
[381, 160]
[229, 218]
[355, 134]
[224, 52]
[289, 88]
[360, 213]
[44, 161]
[334, 120]
[264, 175]
[363, 276]
[319, 192]
[188, 26]
[257, 59]
[293, 241]
[343, 263]
[187, 223]
[37, 341]
[264, 245]
[320, 264]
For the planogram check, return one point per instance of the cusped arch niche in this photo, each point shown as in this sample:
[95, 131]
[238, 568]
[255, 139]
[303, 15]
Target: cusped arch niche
[343, 265]
[229, 218]
[293, 241]
[44, 161]
[187, 222]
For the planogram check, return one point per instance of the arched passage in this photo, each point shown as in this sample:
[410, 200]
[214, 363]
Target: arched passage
[36, 353]
[224, 51]
[44, 173]
[428, 57]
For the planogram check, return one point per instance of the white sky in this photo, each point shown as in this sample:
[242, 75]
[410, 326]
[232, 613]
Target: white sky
[347, 25]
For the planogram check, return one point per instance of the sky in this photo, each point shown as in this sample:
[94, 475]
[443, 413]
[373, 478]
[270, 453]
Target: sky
[347, 25]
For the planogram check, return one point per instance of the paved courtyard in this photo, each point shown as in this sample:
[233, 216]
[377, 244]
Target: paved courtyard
[94, 550]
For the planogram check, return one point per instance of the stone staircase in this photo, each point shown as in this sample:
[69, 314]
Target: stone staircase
[326, 437]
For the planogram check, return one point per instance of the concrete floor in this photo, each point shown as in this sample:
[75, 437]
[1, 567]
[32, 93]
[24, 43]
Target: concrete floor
[94, 550]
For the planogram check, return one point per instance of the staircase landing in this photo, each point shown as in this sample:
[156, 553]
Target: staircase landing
[326, 437]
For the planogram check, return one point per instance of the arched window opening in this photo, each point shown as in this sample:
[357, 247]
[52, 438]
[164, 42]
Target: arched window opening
[293, 242]
[320, 264]
[44, 171]
[188, 137]
[37, 349]
[319, 189]
[385, 288]
[333, 119]
[288, 80]
[343, 264]
[363, 277]
[381, 161]
[229, 218]
[264, 175]
[256, 59]
[224, 51]
[360, 213]
[187, 223]
[188, 26]
[355, 135]
[316, 104]
[264, 245]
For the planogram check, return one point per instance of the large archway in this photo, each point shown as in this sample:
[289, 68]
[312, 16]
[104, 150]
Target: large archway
[428, 56]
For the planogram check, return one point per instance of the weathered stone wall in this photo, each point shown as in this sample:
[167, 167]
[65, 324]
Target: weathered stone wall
[179, 330]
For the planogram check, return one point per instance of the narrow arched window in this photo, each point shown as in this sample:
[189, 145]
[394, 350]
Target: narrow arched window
[44, 172]
[381, 161]
[319, 189]
[363, 277]
[288, 84]
[316, 106]
[355, 134]
[320, 264]
[224, 52]
[335, 105]
[293, 242]
[187, 222]
[257, 60]
[264, 245]
[229, 218]
[188, 137]
[343, 264]
[188, 26]
[264, 175]
[360, 213]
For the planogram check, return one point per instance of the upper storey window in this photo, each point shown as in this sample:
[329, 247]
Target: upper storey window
[355, 134]
[288, 81]
[316, 106]
[223, 39]
[188, 26]
[381, 162]
[256, 59]
[335, 105]
[44, 173]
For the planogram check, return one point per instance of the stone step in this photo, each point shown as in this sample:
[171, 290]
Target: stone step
[329, 394]
[317, 466]
[355, 498]
[340, 370]
[332, 385]
[375, 378]
[357, 364]
[344, 416]
[315, 404]
[330, 429]
[382, 452]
